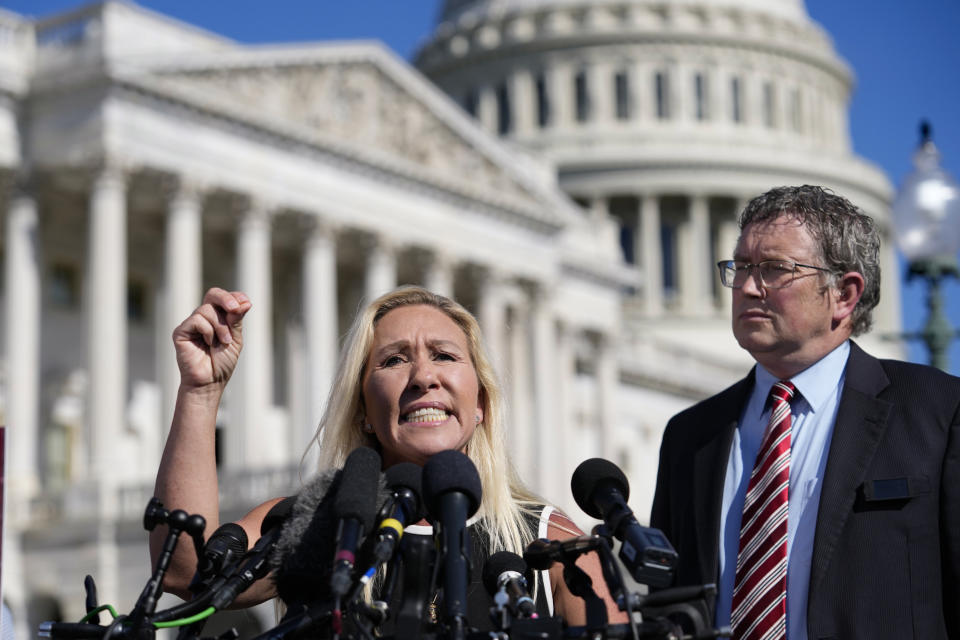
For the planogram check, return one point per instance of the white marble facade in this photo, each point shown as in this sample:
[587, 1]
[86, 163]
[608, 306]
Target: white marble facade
[143, 160]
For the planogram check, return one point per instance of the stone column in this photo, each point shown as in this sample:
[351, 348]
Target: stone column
[544, 392]
[651, 254]
[568, 456]
[726, 244]
[381, 274]
[694, 255]
[320, 328]
[487, 108]
[600, 86]
[599, 209]
[491, 314]
[607, 382]
[106, 324]
[559, 78]
[22, 342]
[887, 315]
[520, 430]
[523, 94]
[250, 443]
[182, 277]
[439, 276]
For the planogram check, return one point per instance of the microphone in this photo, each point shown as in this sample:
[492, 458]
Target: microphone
[223, 547]
[452, 493]
[256, 562]
[601, 490]
[301, 559]
[542, 553]
[504, 572]
[402, 509]
[355, 507]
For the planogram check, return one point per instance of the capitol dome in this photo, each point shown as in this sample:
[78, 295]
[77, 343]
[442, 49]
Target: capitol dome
[667, 115]
[663, 118]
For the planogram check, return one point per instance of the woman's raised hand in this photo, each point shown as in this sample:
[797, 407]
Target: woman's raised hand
[208, 343]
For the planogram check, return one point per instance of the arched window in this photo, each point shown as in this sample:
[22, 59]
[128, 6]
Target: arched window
[504, 123]
[661, 91]
[543, 100]
[582, 96]
[470, 101]
[621, 89]
[769, 105]
[736, 100]
[700, 97]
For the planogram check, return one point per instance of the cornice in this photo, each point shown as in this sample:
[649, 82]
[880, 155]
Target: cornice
[552, 210]
[526, 30]
[384, 169]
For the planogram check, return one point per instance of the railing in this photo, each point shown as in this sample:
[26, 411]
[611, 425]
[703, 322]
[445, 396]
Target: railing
[238, 491]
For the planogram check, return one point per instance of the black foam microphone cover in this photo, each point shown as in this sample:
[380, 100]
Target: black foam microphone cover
[591, 475]
[450, 471]
[407, 475]
[357, 496]
[302, 558]
[498, 564]
[228, 542]
[278, 514]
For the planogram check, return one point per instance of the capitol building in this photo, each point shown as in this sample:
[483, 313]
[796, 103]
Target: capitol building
[569, 170]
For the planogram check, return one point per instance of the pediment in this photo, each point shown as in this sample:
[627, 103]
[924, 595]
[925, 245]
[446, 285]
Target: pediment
[371, 106]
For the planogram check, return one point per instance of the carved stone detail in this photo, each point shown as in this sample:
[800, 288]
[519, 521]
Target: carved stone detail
[354, 104]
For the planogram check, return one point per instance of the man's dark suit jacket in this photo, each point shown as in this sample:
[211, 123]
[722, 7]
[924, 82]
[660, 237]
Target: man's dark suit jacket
[886, 555]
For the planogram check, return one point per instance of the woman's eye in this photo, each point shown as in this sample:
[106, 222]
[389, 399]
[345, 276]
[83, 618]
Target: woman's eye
[392, 361]
[444, 356]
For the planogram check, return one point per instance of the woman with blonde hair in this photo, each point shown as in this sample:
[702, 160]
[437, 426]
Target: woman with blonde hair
[413, 379]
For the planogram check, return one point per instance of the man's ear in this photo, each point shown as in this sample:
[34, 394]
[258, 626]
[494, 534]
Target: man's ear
[848, 291]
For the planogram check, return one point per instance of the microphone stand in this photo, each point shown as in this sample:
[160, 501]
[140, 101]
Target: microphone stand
[581, 586]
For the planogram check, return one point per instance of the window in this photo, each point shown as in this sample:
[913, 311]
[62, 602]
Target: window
[661, 91]
[504, 124]
[668, 247]
[543, 101]
[700, 96]
[470, 101]
[582, 96]
[63, 285]
[736, 99]
[621, 85]
[768, 105]
[796, 110]
[136, 301]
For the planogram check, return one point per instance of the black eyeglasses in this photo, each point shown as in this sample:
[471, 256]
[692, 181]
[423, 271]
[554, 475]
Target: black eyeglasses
[774, 274]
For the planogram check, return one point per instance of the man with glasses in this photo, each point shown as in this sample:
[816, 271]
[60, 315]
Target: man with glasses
[821, 493]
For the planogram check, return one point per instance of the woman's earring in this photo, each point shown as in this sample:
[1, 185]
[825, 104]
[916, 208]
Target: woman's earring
[368, 427]
[477, 419]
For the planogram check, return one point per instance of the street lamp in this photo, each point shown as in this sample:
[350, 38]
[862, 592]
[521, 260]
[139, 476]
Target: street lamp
[926, 221]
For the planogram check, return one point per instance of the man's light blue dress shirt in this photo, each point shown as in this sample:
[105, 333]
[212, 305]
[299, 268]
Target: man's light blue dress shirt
[814, 410]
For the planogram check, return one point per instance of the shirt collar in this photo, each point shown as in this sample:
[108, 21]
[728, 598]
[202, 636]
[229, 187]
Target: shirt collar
[817, 382]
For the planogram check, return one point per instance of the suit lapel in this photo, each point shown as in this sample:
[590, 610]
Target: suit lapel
[709, 470]
[859, 427]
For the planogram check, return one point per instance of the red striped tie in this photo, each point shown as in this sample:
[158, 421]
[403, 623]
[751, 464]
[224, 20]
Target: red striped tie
[760, 588]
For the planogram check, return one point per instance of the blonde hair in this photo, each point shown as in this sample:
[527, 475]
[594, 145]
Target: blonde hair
[507, 505]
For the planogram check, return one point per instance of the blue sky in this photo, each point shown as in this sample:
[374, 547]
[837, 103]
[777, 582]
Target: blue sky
[906, 57]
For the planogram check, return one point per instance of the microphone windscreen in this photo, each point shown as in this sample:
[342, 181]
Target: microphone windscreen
[450, 471]
[303, 558]
[537, 554]
[357, 495]
[230, 536]
[497, 564]
[407, 475]
[589, 476]
[278, 514]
